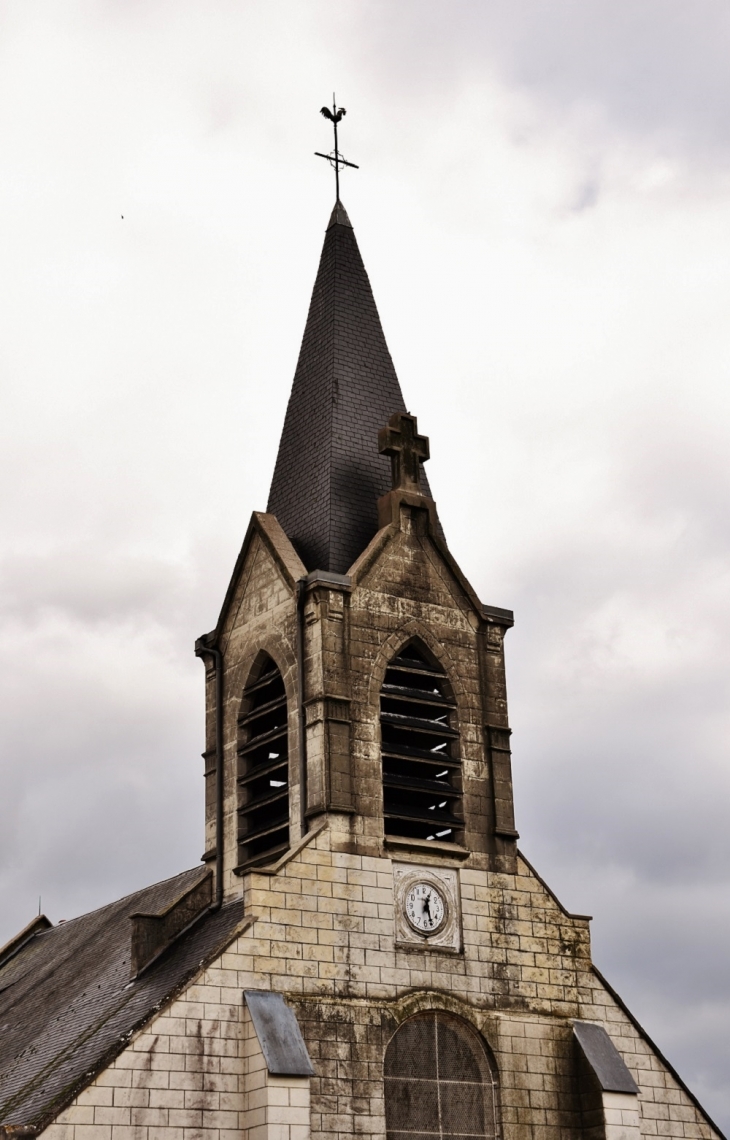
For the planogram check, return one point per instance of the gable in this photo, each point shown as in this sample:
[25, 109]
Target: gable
[198, 1055]
[411, 565]
[264, 577]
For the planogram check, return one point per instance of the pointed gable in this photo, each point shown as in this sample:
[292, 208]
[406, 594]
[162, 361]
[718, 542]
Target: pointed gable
[329, 474]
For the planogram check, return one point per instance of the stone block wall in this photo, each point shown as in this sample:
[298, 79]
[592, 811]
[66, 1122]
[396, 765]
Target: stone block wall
[260, 614]
[196, 1072]
[324, 930]
[181, 1078]
[621, 1116]
[274, 1107]
[324, 937]
[402, 587]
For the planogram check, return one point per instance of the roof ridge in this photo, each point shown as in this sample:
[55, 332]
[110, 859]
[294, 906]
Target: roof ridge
[334, 385]
[97, 910]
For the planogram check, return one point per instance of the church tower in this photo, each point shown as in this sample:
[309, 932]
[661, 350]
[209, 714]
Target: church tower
[362, 679]
[364, 951]
[359, 791]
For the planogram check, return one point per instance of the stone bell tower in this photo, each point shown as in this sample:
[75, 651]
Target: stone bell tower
[346, 571]
[366, 952]
[359, 802]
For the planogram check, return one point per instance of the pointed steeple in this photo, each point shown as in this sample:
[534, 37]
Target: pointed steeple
[329, 473]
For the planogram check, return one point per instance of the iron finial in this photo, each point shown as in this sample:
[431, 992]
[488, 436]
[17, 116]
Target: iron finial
[334, 158]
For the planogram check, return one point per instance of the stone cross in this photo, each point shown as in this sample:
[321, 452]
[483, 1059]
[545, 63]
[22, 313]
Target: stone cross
[406, 448]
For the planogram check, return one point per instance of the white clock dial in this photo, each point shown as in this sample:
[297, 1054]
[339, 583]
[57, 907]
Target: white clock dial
[425, 908]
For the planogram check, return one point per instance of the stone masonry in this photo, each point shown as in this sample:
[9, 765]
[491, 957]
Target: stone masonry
[193, 1054]
[324, 914]
[323, 936]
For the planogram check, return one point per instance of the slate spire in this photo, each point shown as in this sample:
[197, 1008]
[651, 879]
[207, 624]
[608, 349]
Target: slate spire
[329, 474]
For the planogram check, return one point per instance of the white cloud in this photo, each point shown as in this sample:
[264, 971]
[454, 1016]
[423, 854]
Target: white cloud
[543, 208]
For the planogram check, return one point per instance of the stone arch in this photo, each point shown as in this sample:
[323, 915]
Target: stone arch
[258, 665]
[282, 654]
[415, 630]
[419, 1000]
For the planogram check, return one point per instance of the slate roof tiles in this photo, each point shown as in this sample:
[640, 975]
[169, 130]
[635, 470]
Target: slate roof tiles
[329, 474]
[67, 1007]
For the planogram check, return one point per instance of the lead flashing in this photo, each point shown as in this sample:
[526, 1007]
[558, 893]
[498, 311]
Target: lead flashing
[279, 1034]
[604, 1058]
[328, 578]
[498, 616]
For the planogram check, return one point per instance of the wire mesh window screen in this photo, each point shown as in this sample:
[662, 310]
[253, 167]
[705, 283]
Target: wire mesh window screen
[438, 1082]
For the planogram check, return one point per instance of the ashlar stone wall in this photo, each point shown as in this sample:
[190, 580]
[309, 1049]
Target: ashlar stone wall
[259, 614]
[324, 929]
[323, 935]
[196, 1072]
[405, 585]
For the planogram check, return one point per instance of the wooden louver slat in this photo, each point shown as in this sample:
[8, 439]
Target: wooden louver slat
[422, 796]
[263, 776]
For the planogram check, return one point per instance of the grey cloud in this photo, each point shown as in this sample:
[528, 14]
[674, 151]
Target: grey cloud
[101, 733]
[651, 66]
[148, 376]
[622, 784]
[622, 738]
[655, 67]
[88, 583]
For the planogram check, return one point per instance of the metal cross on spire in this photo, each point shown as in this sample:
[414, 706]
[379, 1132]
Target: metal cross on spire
[334, 158]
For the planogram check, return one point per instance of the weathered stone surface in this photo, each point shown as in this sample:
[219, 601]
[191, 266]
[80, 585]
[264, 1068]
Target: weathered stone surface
[324, 937]
[321, 924]
[325, 931]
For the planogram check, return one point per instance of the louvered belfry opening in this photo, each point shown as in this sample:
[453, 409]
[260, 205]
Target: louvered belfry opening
[420, 750]
[439, 1082]
[263, 766]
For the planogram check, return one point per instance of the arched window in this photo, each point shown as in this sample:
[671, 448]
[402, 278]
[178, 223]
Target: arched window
[263, 766]
[438, 1082]
[421, 765]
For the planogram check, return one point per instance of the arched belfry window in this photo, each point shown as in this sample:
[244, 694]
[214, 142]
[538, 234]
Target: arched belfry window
[263, 766]
[439, 1082]
[420, 749]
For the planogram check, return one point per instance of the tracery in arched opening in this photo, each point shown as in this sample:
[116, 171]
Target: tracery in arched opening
[439, 1082]
[422, 790]
[263, 766]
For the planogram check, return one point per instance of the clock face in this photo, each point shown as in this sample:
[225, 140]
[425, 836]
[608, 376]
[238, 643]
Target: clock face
[425, 908]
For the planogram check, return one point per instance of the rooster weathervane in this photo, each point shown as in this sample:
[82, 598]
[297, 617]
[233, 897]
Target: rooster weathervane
[334, 158]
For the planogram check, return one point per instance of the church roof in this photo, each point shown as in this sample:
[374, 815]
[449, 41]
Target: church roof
[68, 1007]
[329, 474]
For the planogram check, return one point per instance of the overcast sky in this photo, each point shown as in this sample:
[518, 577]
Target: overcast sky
[543, 205]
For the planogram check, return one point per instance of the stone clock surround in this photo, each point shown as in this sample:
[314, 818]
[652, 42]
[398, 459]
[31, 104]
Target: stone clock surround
[446, 881]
